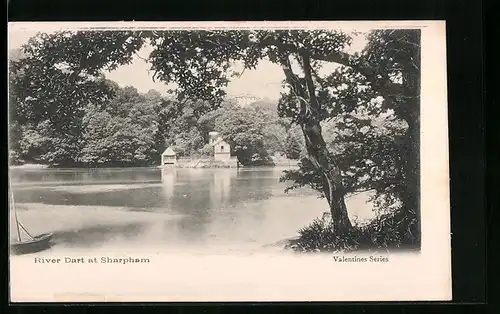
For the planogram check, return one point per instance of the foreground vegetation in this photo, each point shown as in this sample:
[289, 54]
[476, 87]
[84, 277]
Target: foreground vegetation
[387, 232]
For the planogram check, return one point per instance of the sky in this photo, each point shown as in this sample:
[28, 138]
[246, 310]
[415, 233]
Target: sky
[263, 82]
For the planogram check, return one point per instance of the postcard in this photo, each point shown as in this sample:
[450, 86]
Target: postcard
[228, 161]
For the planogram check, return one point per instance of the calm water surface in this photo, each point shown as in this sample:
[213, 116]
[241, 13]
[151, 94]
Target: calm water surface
[170, 208]
[174, 208]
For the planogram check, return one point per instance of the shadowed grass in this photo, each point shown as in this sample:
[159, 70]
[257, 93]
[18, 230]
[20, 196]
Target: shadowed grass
[389, 232]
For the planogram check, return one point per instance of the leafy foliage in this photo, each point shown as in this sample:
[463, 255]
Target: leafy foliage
[121, 134]
[254, 134]
[387, 232]
[132, 129]
[292, 147]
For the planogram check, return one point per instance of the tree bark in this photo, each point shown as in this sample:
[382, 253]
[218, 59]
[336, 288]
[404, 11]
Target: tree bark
[317, 151]
[332, 179]
[411, 185]
[409, 110]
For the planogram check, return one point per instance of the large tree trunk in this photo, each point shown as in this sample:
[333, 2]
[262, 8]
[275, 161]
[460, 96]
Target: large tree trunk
[410, 112]
[321, 159]
[411, 186]
[409, 150]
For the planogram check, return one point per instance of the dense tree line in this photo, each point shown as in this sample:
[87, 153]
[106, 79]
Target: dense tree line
[132, 129]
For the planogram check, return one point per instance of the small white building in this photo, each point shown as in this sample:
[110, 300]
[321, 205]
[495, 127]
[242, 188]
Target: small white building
[222, 149]
[169, 157]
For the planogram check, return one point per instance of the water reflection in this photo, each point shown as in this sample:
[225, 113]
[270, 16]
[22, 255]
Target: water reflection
[201, 196]
[169, 206]
[89, 207]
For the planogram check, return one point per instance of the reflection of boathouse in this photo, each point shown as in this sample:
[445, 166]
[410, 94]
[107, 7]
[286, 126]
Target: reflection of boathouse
[169, 157]
[220, 187]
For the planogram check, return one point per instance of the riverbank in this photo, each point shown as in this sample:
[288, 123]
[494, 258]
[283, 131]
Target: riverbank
[188, 164]
[29, 166]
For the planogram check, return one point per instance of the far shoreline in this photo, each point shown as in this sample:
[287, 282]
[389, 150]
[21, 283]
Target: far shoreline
[29, 166]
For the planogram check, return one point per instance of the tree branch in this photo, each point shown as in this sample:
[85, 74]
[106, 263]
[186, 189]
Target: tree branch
[294, 83]
[309, 82]
[383, 85]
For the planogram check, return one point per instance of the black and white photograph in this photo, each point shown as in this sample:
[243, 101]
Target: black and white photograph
[224, 161]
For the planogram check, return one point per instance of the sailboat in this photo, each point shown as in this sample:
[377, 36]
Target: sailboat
[30, 244]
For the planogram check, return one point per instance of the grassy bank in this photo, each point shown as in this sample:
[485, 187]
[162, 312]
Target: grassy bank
[388, 232]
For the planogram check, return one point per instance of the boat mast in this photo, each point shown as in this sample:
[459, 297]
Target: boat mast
[15, 215]
[15, 211]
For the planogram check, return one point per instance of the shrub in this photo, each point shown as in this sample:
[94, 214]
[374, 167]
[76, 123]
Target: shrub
[15, 158]
[390, 231]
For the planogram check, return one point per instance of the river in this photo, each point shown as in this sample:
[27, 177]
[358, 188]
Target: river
[182, 209]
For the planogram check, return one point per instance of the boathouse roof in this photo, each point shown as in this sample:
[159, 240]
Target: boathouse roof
[169, 152]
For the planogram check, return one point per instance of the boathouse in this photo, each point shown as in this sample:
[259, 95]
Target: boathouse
[169, 157]
[222, 149]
